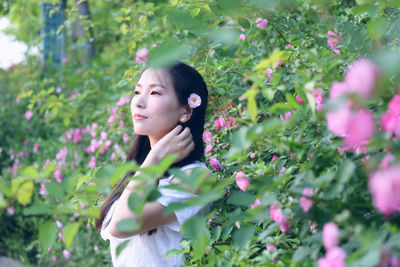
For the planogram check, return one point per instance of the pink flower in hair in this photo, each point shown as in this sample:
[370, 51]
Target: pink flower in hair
[194, 100]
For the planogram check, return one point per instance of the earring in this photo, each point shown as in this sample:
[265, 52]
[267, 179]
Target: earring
[182, 119]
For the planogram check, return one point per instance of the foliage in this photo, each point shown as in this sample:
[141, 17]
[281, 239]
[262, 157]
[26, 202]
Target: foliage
[255, 76]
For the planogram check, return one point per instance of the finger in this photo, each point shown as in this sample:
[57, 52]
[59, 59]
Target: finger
[175, 131]
[185, 133]
[189, 148]
[187, 140]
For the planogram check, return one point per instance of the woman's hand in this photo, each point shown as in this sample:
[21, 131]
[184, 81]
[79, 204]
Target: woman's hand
[172, 143]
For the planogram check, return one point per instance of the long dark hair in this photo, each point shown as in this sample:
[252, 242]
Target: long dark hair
[186, 80]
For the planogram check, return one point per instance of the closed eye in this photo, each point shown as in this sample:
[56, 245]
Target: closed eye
[155, 93]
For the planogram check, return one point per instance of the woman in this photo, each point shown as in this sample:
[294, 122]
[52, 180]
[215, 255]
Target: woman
[168, 111]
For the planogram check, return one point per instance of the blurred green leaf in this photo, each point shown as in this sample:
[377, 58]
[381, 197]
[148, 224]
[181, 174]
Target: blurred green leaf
[47, 234]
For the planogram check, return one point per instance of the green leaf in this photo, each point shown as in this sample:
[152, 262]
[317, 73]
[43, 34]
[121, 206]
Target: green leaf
[376, 28]
[123, 28]
[136, 203]
[194, 228]
[38, 209]
[270, 61]
[69, 232]
[165, 54]
[55, 189]
[241, 198]
[24, 193]
[128, 225]
[30, 172]
[47, 234]
[173, 253]
[301, 253]
[243, 235]
[122, 246]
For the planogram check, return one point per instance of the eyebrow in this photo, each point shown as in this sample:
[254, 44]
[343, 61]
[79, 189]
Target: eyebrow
[153, 85]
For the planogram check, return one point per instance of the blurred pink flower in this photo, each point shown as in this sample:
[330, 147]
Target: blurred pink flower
[360, 128]
[277, 216]
[288, 46]
[334, 258]
[286, 116]
[306, 202]
[60, 236]
[43, 190]
[121, 123]
[64, 60]
[59, 225]
[274, 158]
[35, 147]
[28, 115]
[339, 119]
[387, 159]
[123, 100]
[338, 89]
[270, 248]
[77, 135]
[278, 63]
[330, 235]
[319, 98]
[21, 154]
[385, 189]
[215, 164]
[230, 121]
[66, 254]
[95, 248]
[217, 125]
[207, 136]
[262, 23]
[62, 154]
[208, 149]
[270, 73]
[11, 210]
[252, 155]
[45, 164]
[242, 36]
[92, 163]
[298, 98]
[333, 40]
[58, 175]
[242, 180]
[111, 119]
[141, 55]
[25, 142]
[391, 119]
[54, 259]
[255, 204]
[125, 137]
[222, 121]
[360, 77]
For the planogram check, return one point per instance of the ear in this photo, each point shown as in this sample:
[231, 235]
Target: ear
[186, 114]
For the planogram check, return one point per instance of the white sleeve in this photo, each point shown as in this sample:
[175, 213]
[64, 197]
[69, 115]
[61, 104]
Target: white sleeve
[169, 196]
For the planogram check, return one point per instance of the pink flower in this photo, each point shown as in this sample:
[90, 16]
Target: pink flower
[45, 164]
[298, 98]
[11, 210]
[274, 158]
[208, 149]
[391, 119]
[222, 121]
[387, 159]
[92, 163]
[338, 120]
[66, 254]
[217, 125]
[319, 98]
[385, 189]
[54, 259]
[334, 258]
[43, 190]
[242, 36]
[25, 142]
[111, 119]
[360, 77]
[278, 63]
[262, 23]
[60, 236]
[255, 204]
[333, 40]
[230, 121]
[360, 128]
[123, 100]
[270, 248]
[28, 115]
[64, 60]
[194, 100]
[95, 248]
[59, 225]
[21, 154]
[242, 180]
[141, 55]
[252, 155]
[58, 175]
[306, 202]
[77, 135]
[338, 89]
[215, 164]
[277, 216]
[35, 147]
[270, 73]
[125, 137]
[286, 117]
[207, 136]
[330, 235]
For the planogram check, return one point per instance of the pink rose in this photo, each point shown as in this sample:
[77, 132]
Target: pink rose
[387, 159]
[277, 216]
[306, 202]
[208, 149]
[255, 204]
[391, 119]
[333, 40]
[330, 235]
[141, 55]
[334, 258]
[270, 248]
[242, 180]
[270, 73]
[319, 98]
[58, 175]
[360, 77]
[274, 158]
[385, 189]
[338, 89]
[217, 125]
[360, 128]
[207, 136]
[125, 137]
[215, 164]
[298, 98]
[66, 254]
[92, 163]
[262, 23]
[242, 36]
[28, 115]
[338, 120]
[286, 116]
[11, 210]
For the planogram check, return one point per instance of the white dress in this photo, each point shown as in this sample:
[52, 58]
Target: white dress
[147, 251]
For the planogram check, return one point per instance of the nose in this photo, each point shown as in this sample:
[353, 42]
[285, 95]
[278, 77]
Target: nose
[139, 101]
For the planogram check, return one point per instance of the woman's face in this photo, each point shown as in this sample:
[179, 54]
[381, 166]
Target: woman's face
[154, 106]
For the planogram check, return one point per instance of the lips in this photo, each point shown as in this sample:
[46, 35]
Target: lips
[139, 116]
